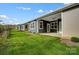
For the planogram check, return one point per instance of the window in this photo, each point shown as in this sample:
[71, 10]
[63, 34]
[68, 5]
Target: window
[32, 25]
[53, 25]
[41, 24]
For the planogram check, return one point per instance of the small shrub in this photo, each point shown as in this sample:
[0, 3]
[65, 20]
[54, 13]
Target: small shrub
[75, 39]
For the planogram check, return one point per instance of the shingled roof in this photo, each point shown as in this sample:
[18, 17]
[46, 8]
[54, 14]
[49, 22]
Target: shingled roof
[57, 11]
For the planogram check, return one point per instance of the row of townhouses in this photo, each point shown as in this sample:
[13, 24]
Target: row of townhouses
[64, 21]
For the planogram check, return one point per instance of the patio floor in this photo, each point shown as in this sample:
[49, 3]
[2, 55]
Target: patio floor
[51, 34]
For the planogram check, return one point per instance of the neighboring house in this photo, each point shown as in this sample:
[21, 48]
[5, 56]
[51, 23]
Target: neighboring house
[64, 21]
[21, 27]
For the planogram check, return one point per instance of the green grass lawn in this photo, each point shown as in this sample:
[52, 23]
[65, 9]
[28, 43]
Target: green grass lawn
[25, 43]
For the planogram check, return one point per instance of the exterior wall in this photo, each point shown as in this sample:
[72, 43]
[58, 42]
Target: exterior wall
[21, 27]
[26, 26]
[18, 27]
[34, 29]
[44, 29]
[70, 22]
[54, 29]
[37, 26]
[41, 30]
[59, 26]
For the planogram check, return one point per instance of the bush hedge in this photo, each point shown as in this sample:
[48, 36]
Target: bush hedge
[4, 31]
[75, 39]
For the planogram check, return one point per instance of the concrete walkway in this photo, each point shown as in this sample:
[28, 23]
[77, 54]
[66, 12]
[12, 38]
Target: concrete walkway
[66, 41]
[51, 34]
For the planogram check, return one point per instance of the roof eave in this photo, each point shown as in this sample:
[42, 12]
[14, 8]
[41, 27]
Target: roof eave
[57, 11]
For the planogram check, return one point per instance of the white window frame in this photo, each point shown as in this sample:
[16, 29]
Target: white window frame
[32, 25]
[53, 25]
[42, 24]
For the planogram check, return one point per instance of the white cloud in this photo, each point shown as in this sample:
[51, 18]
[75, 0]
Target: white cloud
[23, 8]
[40, 11]
[3, 17]
[50, 10]
[8, 21]
[13, 21]
[28, 8]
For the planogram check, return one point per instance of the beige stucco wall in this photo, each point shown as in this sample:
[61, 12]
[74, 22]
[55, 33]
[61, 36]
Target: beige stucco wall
[70, 22]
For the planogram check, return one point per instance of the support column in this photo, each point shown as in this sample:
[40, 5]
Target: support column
[57, 26]
[37, 26]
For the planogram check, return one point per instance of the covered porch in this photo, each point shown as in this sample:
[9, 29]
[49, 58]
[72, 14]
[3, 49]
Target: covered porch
[51, 24]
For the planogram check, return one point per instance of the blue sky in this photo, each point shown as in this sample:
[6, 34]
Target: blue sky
[16, 13]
